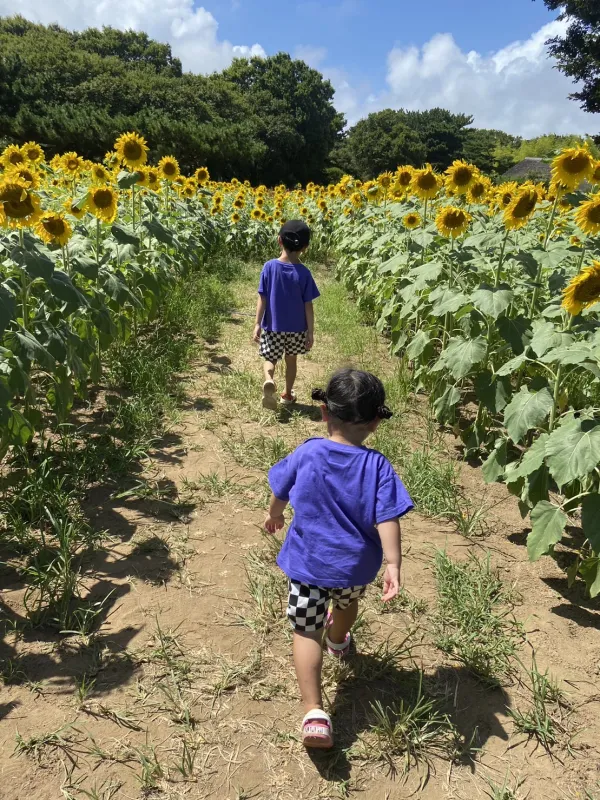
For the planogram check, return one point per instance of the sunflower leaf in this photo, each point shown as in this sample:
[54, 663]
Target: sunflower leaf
[124, 234]
[575, 353]
[492, 301]
[515, 331]
[493, 467]
[532, 460]
[448, 301]
[547, 527]
[461, 354]
[526, 411]
[590, 520]
[443, 407]
[8, 308]
[125, 180]
[418, 345]
[545, 337]
[573, 450]
[511, 365]
[492, 390]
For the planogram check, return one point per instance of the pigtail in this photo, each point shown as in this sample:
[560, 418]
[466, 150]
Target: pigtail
[383, 412]
[319, 396]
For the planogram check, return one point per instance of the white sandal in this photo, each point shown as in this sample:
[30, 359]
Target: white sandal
[268, 399]
[317, 730]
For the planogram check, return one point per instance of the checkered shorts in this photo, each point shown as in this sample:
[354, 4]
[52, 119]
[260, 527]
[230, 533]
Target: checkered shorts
[275, 344]
[307, 605]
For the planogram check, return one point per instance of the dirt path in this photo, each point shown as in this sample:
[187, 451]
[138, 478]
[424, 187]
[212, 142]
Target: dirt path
[187, 690]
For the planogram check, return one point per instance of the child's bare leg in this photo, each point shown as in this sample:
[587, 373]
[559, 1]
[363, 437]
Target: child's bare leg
[291, 370]
[342, 620]
[308, 660]
[269, 369]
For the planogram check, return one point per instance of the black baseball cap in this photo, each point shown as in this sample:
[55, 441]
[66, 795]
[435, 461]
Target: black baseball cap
[295, 234]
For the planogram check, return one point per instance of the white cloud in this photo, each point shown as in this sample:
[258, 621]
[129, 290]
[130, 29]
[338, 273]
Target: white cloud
[192, 32]
[313, 56]
[516, 89]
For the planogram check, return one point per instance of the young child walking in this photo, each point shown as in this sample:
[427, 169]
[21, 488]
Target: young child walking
[347, 502]
[284, 313]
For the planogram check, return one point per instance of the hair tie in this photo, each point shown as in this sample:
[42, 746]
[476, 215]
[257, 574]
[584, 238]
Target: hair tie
[383, 412]
[319, 396]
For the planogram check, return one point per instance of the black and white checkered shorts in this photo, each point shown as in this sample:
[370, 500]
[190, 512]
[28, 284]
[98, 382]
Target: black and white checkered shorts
[307, 604]
[275, 344]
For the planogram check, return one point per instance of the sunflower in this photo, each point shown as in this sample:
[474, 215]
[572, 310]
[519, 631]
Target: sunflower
[575, 241]
[373, 191]
[505, 194]
[132, 150]
[411, 220]
[404, 176]
[218, 199]
[33, 152]
[452, 221]
[72, 209]
[595, 176]
[238, 202]
[102, 203]
[304, 212]
[583, 290]
[270, 218]
[12, 156]
[356, 199]
[255, 213]
[478, 190]
[385, 180]
[169, 168]
[20, 207]
[522, 207]
[29, 176]
[202, 175]
[71, 163]
[142, 174]
[461, 176]
[322, 205]
[425, 183]
[235, 217]
[573, 165]
[53, 228]
[587, 216]
[99, 174]
[153, 178]
[260, 201]
[215, 210]
[190, 189]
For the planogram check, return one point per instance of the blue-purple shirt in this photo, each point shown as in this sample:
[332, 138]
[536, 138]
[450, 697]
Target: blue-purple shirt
[339, 493]
[287, 288]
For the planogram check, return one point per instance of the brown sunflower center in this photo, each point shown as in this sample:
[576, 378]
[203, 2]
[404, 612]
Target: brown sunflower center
[404, 178]
[132, 150]
[103, 198]
[385, 181]
[478, 189]
[411, 219]
[18, 203]
[33, 153]
[462, 176]
[72, 164]
[426, 181]
[593, 214]
[525, 205]
[576, 164]
[55, 226]
[169, 168]
[16, 158]
[454, 219]
[588, 290]
[506, 198]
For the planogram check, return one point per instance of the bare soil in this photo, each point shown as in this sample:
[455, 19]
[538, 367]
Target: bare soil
[191, 691]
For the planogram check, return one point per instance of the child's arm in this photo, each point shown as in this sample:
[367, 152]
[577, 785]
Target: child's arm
[275, 521]
[389, 533]
[310, 324]
[261, 307]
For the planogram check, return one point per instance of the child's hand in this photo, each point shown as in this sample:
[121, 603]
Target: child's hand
[310, 340]
[391, 583]
[256, 334]
[273, 524]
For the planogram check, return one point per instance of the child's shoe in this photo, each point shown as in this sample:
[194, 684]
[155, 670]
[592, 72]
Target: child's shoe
[317, 730]
[288, 399]
[268, 399]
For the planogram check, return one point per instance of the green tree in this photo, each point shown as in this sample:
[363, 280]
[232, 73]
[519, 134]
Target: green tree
[578, 51]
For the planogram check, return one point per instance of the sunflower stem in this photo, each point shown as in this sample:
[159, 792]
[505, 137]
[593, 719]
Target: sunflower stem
[501, 260]
[538, 277]
[557, 383]
[97, 240]
[24, 286]
[133, 207]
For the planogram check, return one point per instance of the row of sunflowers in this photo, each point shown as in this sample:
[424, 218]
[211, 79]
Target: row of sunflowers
[488, 291]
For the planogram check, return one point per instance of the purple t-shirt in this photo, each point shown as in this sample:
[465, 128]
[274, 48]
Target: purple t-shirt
[287, 288]
[339, 494]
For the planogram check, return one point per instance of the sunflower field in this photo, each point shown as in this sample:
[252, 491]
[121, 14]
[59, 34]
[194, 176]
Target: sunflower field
[487, 292]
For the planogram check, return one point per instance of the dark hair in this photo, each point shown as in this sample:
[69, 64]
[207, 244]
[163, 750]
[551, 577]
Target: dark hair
[354, 396]
[295, 235]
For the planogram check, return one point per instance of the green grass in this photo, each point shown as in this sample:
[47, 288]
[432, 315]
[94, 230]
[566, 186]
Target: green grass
[258, 452]
[473, 622]
[542, 718]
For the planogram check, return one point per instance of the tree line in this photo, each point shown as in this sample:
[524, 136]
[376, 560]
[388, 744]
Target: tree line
[270, 120]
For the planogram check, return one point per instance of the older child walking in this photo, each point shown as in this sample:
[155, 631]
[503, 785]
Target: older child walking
[347, 503]
[284, 313]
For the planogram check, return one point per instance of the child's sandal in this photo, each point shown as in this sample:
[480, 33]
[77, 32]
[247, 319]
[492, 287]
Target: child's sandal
[317, 730]
[268, 399]
[288, 400]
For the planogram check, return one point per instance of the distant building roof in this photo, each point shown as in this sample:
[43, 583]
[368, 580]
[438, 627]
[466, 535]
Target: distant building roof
[529, 168]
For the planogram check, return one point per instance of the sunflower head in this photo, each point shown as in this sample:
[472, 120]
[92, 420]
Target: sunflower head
[573, 165]
[33, 153]
[404, 176]
[202, 176]
[595, 176]
[255, 213]
[71, 163]
[425, 183]
[587, 216]
[235, 217]
[153, 178]
[26, 174]
[583, 290]
[99, 174]
[521, 208]
[322, 205]
[478, 190]
[169, 168]
[411, 220]
[385, 180]
[461, 176]
[12, 156]
[505, 194]
[132, 150]
[19, 205]
[356, 199]
[53, 228]
[575, 241]
[73, 210]
[452, 221]
[103, 202]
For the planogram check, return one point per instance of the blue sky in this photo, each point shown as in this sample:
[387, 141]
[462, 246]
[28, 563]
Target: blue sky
[483, 57]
